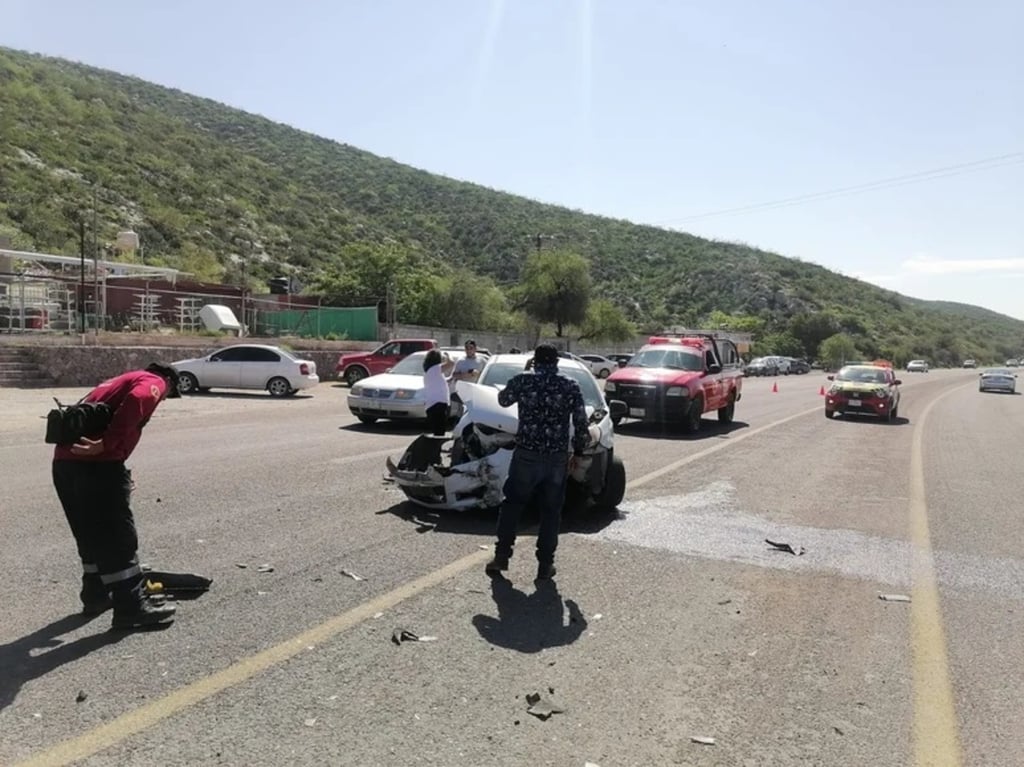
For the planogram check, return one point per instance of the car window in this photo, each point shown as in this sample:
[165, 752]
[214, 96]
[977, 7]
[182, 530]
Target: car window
[861, 375]
[409, 347]
[389, 350]
[500, 374]
[411, 365]
[234, 354]
[255, 354]
[674, 359]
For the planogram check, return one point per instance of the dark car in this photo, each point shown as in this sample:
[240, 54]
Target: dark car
[799, 366]
[762, 366]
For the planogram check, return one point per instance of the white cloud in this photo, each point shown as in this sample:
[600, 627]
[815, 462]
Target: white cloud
[928, 265]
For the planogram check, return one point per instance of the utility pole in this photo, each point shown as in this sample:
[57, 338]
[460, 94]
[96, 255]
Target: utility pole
[81, 275]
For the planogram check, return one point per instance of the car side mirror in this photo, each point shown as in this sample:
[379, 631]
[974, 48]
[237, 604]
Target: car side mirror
[713, 369]
[898, 382]
[618, 408]
[830, 377]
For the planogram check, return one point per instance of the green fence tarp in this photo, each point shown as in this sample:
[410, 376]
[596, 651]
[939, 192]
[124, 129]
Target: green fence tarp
[356, 324]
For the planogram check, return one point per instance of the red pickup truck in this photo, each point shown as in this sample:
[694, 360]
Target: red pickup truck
[355, 366]
[676, 379]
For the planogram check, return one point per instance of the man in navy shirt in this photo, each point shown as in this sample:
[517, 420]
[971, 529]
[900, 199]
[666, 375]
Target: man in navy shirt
[541, 459]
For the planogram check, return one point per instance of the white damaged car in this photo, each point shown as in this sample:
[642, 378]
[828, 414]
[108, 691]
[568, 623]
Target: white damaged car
[468, 469]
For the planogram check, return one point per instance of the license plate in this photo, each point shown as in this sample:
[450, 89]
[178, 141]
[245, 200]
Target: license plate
[637, 412]
[854, 401]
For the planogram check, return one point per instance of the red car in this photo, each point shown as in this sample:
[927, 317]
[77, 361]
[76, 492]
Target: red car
[867, 389]
[356, 366]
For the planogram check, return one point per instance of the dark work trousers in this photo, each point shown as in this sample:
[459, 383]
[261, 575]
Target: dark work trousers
[437, 419]
[96, 498]
[538, 479]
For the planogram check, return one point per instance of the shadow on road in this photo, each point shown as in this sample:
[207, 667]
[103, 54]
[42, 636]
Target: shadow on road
[859, 418]
[575, 519]
[529, 623]
[708, 429]
[21, 661]
[410, 428]
[253, 395]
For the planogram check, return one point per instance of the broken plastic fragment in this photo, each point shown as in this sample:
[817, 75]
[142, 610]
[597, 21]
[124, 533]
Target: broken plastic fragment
[424, 528]
[541, 707]
[894, 597]
[702, 740]
[352, 575]
[403, 635]
[81, 696]
[786, 547]
[265, 569]
[310, 722]
[241, 565]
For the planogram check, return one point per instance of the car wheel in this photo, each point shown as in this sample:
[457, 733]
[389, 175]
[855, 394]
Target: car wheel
[354, 375]
[895, 413]
[830, 413]
[279, 387]
[187, 383]
[614, 489]
[725, 414]
[367, 419]
[604, 373]
[693, 415]
[616, 420]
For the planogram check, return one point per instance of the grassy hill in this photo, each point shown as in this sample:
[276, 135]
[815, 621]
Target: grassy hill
[205, 185]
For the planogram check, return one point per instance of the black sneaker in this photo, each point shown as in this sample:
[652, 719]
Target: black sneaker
[96, 605]
[145, 613]
[497, 565]
[545, 572]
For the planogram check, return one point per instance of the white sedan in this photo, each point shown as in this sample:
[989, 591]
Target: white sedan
[396, 394]
[247, 366]
[602, 367]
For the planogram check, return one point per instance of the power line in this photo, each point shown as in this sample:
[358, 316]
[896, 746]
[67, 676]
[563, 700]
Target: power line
[1013, 158]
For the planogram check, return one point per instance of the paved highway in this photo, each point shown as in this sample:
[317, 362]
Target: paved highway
[671, 621]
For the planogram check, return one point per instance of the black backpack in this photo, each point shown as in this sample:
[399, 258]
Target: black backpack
[66, 424]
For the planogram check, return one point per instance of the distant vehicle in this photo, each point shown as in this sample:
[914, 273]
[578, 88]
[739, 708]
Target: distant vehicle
[601, 367]
[1012, 363]
[620, 359]
[970, 364]
[247, 366]
[799, 366]
[761, 366]
[863, 390]
[676, 379]
[917, 366]
[356, 366]
[997, 379]
[396, 394]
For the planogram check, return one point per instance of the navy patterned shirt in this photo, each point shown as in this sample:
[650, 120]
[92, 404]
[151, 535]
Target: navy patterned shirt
[546, 403]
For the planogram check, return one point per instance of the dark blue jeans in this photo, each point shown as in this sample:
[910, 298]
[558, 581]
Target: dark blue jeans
[538, 479]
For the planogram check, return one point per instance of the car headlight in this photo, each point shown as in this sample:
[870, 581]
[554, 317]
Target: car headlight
[676, 391]
[356, 391]
[405, 394]
[609, 386]
[881, 391]
[835, 389]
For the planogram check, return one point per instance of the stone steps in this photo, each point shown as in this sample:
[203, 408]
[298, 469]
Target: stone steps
[19, 370]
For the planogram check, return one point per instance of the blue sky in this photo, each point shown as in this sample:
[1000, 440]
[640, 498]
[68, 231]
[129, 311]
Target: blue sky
[655, 111]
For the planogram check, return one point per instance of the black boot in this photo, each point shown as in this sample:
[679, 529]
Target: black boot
[144, 613]
[545, 571]
[94, 595]
[499, 564]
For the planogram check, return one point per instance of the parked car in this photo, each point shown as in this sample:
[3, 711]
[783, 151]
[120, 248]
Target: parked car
[970, 364]
[799, 366]
[676, 379]
[601, 367]
[1012, 363]
[247, 366]
[917, 366]
[761, 366]
[863, 390]
[396, 394]
[997, 379]
[620, 359]
[472, 475]
[355, 366]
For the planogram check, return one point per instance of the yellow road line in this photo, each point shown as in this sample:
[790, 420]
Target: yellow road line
[936, 730]
[132, 722]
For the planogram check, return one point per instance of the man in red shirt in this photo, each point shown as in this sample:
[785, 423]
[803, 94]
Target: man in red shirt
[94, 487]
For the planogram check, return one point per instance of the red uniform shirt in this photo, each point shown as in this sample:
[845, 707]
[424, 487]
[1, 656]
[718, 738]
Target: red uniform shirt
[133, 396]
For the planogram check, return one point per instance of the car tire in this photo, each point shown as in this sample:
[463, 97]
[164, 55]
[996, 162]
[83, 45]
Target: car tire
[830, 413]
[187, 383]
[727, 413]
[616, 420]
[895, 413]
[355, 374]
[693, 415]
[614, 489]
[604, 373]
[279, 387]
[367, 419]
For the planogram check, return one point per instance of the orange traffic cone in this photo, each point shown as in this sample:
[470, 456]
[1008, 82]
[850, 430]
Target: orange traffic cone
[821, 392]
[775, 387]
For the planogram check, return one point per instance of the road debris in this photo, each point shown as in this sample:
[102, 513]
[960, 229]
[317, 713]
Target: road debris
[894, 597]
[265, 569]
[241, 565]
[798, 551]
[404, 635]
[704, 741]
[425, 528]
[80, 698]
[310, 722]
[725, 602]
[352, 575]
[541, 707]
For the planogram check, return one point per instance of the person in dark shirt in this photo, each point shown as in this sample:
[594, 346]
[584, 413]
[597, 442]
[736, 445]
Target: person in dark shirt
[541, 459]
[94, 488]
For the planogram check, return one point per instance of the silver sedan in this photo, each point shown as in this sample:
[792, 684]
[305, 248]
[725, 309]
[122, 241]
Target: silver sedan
[997, 379]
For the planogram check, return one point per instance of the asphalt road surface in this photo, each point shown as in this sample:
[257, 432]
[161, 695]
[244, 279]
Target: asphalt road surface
[670, 621]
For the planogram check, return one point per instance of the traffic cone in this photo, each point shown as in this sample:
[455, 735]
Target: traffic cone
[821, 392]
[775, 387]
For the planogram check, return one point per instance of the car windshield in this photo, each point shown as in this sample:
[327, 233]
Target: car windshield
[674, 359]
[411, 365]
[861, 375]
[499, 374]
[997, 372]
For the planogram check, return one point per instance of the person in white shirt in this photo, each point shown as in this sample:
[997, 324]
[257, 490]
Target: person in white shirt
[436, 394]
[469, 367]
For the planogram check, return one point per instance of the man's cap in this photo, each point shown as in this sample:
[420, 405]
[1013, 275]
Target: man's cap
[169, 374]
[545, 354]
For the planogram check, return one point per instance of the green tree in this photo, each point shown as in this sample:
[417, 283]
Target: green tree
[605, 322]
[782, 344]
[811, 328]
[836, 350]
[556, 288]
